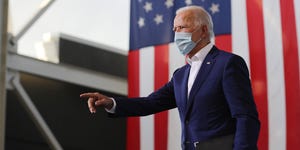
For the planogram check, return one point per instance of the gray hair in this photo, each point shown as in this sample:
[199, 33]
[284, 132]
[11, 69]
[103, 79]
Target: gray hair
[201, 17]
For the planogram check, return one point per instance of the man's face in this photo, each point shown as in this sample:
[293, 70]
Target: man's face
[185, 22]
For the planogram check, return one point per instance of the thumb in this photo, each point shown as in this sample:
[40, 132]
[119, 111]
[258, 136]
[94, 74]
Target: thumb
[105, 102]
[99, 102]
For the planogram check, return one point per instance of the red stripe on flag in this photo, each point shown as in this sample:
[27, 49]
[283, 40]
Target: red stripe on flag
[133, 123]
[224, 42]
[291, 73]
[161, 77]
[258, 66]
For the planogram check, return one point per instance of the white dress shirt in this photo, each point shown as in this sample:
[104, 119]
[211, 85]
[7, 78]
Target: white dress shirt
[196, 62]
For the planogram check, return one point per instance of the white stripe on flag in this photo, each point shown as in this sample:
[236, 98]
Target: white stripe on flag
[275, 75]
[176, 60]
[239, 27]
[146, 87]
[174, 130]
[297, 15]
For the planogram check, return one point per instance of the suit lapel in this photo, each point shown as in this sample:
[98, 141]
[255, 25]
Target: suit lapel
[204, 71]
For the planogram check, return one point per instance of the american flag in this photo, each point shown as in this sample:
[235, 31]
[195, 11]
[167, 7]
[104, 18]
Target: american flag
[265, 33]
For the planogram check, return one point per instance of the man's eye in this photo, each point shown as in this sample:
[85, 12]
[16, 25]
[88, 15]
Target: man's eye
[182, 27]
[179, 28]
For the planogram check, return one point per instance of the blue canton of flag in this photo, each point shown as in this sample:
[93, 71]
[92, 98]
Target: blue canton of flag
[152, 21]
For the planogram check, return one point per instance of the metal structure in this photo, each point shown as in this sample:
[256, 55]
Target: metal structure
[35, 115]
[67, 73]
[3, 51]
[16, 63]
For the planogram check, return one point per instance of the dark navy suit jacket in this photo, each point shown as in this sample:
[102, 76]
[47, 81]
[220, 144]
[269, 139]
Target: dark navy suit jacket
[220, 101]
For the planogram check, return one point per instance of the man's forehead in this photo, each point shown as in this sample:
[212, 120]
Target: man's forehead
[184, 18]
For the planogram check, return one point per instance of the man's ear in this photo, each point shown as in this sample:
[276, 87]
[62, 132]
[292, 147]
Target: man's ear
[204, 30]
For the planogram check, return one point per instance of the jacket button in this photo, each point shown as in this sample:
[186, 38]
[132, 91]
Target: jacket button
[186, 122]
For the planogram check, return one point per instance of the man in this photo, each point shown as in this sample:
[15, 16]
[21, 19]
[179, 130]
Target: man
[212, 92]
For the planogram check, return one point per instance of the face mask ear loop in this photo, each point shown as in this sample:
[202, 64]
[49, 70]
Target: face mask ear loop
[198, 41]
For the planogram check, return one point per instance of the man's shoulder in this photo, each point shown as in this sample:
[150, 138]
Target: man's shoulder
[225, 53]
[182, 68]
[222, 52]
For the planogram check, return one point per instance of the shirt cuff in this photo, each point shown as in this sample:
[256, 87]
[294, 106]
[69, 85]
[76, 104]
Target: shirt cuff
[113, 109]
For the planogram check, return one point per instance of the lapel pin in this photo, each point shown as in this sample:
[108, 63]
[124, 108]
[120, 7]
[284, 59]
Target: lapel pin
[208, 62]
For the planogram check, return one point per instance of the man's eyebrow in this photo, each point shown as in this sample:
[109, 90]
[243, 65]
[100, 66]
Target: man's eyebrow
[181, 26]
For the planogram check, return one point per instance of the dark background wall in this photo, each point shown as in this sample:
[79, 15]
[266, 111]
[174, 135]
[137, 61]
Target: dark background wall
[67, 116]
[84, 54]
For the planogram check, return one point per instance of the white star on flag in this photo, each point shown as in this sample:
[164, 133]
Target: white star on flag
[214, 8]
[188, 2]
[148, 6]
[141, 22]
[169, 3]
[158, 19]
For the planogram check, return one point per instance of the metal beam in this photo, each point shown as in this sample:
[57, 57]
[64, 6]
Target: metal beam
[35, 115]
[43, 7]
[68, 73]
[3, 52]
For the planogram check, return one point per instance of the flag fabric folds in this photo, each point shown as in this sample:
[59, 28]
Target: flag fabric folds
[266, 33]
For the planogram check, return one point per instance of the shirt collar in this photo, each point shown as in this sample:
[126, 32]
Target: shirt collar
[201, 54]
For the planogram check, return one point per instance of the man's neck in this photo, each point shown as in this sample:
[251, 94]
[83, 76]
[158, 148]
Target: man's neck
[198, 48]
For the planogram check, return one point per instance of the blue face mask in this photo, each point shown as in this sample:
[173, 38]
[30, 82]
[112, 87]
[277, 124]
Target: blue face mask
[184, 42]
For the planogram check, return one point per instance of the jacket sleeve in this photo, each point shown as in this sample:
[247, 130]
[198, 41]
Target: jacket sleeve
[160, 100]
[238, 93]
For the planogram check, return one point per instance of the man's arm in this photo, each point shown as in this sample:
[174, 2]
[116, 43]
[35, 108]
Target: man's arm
[160, 100]
[238, 92]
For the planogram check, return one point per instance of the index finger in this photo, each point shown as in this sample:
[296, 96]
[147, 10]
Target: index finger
[87, 95]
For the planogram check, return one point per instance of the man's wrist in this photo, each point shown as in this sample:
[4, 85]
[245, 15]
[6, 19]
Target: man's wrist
[112, 106]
